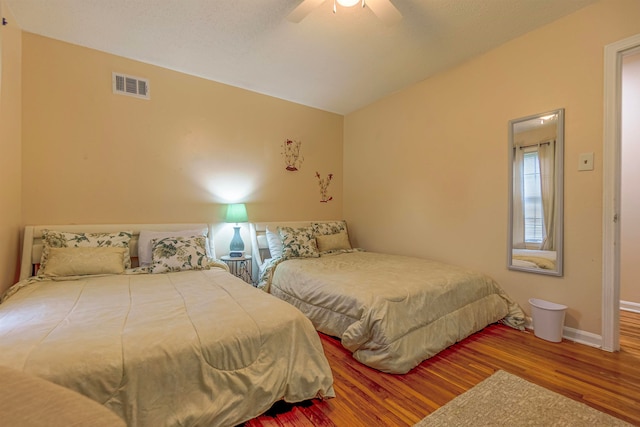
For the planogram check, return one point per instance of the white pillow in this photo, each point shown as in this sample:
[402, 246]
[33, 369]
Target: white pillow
[275, 243]
[146, 236]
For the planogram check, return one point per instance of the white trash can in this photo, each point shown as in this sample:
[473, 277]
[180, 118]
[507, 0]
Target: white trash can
[548, 319]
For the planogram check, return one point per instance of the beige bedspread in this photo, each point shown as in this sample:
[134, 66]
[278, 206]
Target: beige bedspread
[392, 312]
[189, 348]
[536, 261]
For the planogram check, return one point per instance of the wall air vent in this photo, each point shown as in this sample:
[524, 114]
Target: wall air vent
[131, 86]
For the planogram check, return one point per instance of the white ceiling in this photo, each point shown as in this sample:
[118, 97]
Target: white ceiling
[335, 62]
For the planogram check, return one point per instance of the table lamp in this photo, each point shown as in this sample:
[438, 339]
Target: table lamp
[236, 213]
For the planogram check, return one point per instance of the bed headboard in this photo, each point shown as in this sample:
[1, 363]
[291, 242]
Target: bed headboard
[32, 247]
[259, 245]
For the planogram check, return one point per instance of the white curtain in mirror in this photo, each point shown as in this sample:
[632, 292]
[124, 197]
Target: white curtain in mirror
[518, 199]
[534, 184]
[546, 157]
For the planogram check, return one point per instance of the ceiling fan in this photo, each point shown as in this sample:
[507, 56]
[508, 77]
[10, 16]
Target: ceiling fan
[383, 9]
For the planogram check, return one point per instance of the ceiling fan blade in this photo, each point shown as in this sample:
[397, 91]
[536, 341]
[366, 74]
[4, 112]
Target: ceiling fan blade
[303, 9]
[385, 10]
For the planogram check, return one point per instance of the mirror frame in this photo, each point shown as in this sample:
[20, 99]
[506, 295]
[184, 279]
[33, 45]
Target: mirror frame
[559, 194]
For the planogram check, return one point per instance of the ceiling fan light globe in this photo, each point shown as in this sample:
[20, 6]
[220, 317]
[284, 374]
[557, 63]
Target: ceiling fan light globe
[348, 3]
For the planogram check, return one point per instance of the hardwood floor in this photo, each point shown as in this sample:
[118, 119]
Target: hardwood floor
[609, 382]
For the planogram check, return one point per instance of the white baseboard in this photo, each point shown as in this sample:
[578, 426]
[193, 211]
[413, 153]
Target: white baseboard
[575, 335]
[583, 337]
[630, 306]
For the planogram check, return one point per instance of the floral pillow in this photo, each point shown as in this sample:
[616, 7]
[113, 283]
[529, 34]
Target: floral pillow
[298, 242]
[144, 242]
[179, 253]
[326, 228]
[61, 239]
[331, 237]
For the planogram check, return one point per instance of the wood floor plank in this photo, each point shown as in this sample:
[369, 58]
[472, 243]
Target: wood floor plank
[609, 382]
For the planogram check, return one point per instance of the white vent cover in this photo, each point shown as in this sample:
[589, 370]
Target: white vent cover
[131, 86]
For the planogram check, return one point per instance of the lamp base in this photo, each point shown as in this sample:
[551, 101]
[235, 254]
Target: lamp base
[236, 247]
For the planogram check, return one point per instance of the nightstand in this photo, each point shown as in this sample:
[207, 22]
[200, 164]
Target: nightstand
[239, 267]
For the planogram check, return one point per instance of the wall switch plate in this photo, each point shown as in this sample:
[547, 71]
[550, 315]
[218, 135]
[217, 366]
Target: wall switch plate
[585, 162]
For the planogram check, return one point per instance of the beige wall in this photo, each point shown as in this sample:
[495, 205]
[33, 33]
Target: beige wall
[425, 170]
[10, 157]
[630, 201]
[91, 156]
[435, 157]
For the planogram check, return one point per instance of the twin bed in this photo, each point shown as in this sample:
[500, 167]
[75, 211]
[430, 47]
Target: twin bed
[179, 342]
[391, 312]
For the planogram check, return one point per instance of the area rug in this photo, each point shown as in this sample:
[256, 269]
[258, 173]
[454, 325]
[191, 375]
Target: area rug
[504, 399]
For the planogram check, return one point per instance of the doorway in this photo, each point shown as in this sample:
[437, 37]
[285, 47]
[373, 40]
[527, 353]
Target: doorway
[630, 176]
[614, 54]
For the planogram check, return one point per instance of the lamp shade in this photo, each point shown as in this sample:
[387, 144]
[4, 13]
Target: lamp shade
[237, 212]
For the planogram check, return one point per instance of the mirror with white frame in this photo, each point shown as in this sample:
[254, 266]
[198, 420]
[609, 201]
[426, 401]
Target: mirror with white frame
[536, 147]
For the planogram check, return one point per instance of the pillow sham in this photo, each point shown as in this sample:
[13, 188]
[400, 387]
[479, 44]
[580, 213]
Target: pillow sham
[298, 242]
[274, 242]
[332, 236]
[85, 261]
[62, 239]
[178, 254]
[331, 227]
[146, 236]
[333, 242]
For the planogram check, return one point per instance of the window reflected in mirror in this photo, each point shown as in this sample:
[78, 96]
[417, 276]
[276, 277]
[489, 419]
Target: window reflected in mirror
[536, 192]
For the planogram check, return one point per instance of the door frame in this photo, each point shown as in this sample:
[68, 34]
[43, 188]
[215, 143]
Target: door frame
[612, 144]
